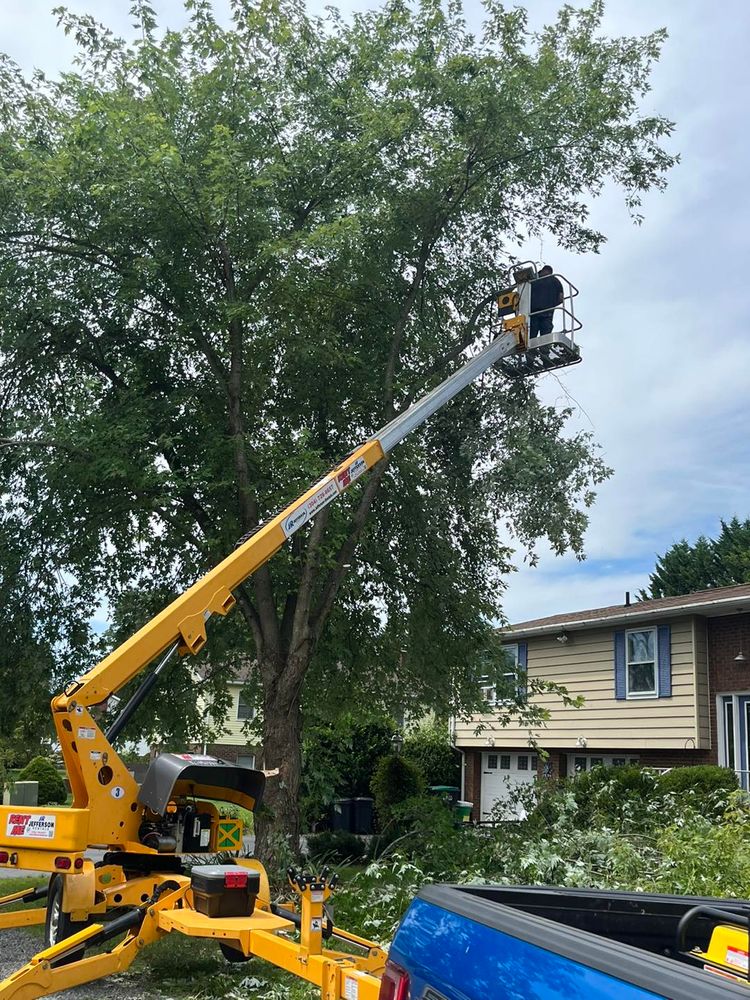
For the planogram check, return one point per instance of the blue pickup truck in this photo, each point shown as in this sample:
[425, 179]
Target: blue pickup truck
[475, 942]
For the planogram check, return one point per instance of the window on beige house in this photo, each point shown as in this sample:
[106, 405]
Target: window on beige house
[640, 674]
[511, 680]
[244, 710]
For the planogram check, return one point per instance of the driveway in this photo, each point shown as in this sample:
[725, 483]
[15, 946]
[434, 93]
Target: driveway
[18, 946]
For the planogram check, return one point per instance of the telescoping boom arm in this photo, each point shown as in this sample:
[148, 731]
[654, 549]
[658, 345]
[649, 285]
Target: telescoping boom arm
[182, 625]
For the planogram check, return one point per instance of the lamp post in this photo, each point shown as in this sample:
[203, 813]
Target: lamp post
[397, 743]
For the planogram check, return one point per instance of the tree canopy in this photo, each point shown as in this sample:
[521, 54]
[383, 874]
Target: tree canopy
[230, 253]
[708, 562]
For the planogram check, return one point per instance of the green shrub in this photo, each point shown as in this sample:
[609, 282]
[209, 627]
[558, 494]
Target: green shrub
[613, 793]
[429, 747]
[338, 760]
[52, 789]
[338, 845]
[430, 835]
[395, 780]
[704, 780]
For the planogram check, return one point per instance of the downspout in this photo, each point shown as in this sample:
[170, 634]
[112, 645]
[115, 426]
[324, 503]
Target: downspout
[452, 724]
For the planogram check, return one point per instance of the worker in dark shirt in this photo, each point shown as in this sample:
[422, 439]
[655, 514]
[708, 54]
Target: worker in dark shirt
[546, 293]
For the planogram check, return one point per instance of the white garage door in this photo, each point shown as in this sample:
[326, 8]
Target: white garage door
[501, 774]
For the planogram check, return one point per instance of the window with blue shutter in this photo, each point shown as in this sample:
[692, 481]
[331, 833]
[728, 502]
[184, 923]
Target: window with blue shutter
[643, 663]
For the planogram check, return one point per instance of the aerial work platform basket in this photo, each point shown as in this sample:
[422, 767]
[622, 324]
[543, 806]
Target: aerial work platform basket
[546, 351]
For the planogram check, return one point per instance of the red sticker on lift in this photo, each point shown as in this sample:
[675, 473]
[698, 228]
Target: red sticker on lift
[31, 825]
[355, 470]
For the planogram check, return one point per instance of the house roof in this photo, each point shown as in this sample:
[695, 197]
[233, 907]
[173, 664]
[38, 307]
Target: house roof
[241, 673]
[710, 603]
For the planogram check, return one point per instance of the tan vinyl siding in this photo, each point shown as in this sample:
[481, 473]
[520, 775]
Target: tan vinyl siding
[700, 639]
[231, 733]
[232, 729]
[585, 665]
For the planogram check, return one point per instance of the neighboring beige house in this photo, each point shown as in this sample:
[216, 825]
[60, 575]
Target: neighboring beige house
[233, 744]
[665, 682]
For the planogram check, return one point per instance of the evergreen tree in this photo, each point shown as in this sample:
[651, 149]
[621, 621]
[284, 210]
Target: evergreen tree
[719, 562]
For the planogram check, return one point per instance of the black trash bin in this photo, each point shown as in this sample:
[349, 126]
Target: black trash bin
[343, 815]
[362, 815]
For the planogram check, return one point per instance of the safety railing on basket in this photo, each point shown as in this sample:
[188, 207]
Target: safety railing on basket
[564, 319]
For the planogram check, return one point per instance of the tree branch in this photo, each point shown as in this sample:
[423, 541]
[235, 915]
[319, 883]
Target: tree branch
[27, 442]
[450, 355]
[249, 514]
[300, 632]
[345, 554]
[398, 333]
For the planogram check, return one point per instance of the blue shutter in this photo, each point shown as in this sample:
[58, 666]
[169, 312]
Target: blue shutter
[664, 647]
[620, 690]
[523, 660]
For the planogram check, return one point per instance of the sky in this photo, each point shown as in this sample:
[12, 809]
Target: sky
[665, 381]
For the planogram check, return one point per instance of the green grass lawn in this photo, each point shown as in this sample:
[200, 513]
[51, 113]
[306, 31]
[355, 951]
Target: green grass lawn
[10, 885]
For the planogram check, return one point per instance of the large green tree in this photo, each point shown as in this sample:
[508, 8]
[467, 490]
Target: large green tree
[229, 254]
[708, 562]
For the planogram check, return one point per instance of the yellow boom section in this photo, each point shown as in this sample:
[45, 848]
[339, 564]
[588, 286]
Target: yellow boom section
[184, 620]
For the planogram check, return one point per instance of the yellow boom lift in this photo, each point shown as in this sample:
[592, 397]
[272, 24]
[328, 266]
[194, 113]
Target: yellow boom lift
[141, 889]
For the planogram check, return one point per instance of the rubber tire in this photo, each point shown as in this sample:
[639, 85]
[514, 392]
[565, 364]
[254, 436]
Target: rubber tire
[57, 924]
[233, 954]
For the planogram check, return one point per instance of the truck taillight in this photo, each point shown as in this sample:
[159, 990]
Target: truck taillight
[395, 983]
[4, 857]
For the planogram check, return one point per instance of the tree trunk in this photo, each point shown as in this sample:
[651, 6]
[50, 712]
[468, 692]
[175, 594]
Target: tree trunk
[277, 822]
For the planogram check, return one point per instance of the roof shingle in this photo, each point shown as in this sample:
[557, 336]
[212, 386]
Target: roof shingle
[690, 602]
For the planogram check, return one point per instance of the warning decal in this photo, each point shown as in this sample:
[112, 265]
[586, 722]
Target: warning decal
[347, 477]
[351, 988]
[30, 825]
[292, 522]
[737, 958]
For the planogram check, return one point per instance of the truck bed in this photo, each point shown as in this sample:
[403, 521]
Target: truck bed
[526, 943]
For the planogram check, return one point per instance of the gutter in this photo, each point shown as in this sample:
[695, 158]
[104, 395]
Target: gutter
[634, 613]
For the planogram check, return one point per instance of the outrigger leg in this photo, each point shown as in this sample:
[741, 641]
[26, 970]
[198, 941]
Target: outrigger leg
[23, 918]
[44, 974]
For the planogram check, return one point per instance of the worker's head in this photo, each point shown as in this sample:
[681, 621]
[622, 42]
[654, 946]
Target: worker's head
[545, 271]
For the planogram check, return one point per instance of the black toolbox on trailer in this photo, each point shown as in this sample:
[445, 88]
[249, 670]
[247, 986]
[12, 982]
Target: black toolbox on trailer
[224, 890]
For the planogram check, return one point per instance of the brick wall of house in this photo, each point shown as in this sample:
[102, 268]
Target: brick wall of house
[553, 766]
[473, 780]
[726, 637]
